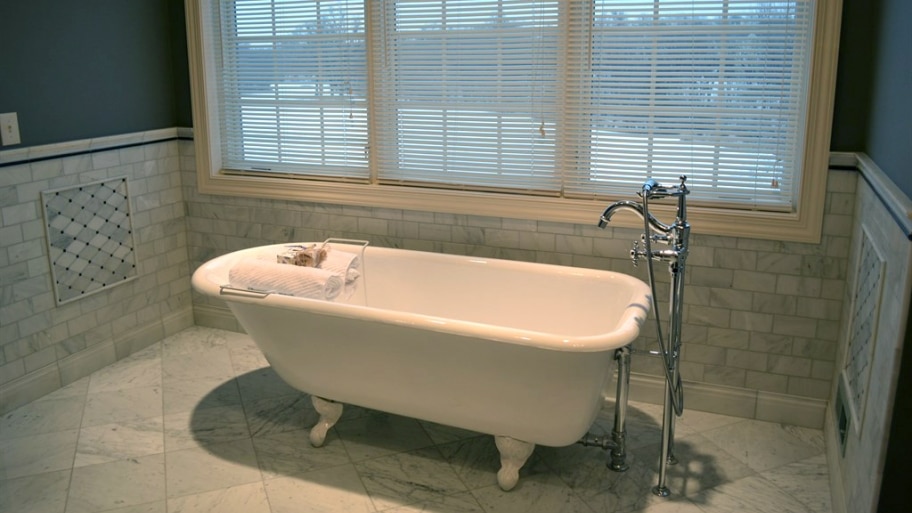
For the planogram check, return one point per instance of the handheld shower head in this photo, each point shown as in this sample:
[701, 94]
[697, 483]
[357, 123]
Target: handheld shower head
[649, 185]
[652, 189]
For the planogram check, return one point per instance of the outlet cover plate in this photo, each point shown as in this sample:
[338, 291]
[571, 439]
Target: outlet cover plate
[9, 128]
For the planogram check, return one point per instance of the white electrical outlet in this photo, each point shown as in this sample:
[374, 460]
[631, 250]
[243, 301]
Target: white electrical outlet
[9, 128]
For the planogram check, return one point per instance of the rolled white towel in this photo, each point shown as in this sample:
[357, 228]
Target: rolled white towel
[290, 280]
[342, 263]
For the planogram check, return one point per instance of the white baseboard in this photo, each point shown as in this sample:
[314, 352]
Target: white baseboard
[26, 389]
[216, 317]
[79, 365]
[834, 456]
[735, 402]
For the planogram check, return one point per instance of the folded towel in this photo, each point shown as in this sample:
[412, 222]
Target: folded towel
[290, 280]
[342, 263]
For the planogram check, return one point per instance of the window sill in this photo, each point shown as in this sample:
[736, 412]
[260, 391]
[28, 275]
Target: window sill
[803, 226]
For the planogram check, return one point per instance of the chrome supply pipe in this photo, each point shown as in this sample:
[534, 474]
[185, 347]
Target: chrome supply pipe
[618, 461]
[617, 442]
[676, 235]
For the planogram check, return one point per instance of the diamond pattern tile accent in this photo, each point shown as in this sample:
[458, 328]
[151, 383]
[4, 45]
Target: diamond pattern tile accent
[89, 237]
[865, 308]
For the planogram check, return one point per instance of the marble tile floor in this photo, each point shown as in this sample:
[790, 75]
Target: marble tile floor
[199, 423]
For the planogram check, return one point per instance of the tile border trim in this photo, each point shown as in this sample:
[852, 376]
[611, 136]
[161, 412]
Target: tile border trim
[895, 201]
[32, 154]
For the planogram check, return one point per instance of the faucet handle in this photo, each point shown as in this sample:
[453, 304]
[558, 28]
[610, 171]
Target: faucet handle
[657, 238]
[635, 253]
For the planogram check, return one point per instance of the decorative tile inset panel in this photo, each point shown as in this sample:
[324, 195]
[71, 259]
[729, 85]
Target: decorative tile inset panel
[863, 325]
[90, 237]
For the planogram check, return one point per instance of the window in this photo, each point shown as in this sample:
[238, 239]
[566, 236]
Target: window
[544, 109]
[293, 87]
[470, 93]
[714, 89]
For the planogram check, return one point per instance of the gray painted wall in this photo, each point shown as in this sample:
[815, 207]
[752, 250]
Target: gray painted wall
[77, 70]
[853, 84]
[889, 137]
[873, 111]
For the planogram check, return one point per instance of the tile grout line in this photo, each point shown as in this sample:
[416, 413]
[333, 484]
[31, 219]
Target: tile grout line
[161, 370]
[256, 453]
[449, 463]
[785, 492]
[85, 401]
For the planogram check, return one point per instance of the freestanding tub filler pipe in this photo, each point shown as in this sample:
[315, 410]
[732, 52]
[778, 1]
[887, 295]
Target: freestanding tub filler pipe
[675, 238]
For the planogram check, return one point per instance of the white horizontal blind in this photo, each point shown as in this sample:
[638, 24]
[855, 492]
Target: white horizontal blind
[578, 98]
[714, 89]
[293, 87]
[467, 93]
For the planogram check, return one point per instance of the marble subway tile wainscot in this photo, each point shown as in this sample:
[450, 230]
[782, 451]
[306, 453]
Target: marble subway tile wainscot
[71, 341]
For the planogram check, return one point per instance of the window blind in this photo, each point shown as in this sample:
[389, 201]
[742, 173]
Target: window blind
[570, 98]
[468, 93]
[714, 89]
[293, 87]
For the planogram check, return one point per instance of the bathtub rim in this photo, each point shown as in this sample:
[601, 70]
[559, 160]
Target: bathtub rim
[625, 331]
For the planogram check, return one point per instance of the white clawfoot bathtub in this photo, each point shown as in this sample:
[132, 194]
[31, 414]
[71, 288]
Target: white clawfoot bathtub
[518, 350]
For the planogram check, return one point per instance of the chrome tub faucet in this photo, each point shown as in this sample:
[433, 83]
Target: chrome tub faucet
[676, 238]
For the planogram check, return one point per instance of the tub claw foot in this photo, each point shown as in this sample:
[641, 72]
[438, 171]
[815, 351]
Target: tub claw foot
[330, 412]
[513, 455]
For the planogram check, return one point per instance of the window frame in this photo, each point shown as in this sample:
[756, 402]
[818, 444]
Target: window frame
[802, 225]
